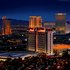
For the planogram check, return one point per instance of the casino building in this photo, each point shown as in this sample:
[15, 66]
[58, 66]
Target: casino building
[39, 38]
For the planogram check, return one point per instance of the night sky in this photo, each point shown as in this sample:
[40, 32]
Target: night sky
[22, 9]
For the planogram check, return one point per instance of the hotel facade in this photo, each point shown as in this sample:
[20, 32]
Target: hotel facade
[39, 38]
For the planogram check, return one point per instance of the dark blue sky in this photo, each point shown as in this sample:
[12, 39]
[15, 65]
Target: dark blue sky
[22, 9]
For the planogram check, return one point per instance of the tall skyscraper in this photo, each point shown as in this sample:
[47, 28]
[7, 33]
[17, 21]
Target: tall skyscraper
[6, 27]
[37, 40]
[35, 21]
[49, 41]
[60, 22]
[31, 40]
[40, 40]
[68, 27]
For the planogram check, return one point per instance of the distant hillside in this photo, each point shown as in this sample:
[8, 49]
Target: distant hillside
[16, 22]
[23, 22]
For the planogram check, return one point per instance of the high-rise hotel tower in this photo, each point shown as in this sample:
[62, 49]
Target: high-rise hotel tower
[39, 38]
[6, 27]
[35, 21]
[60, 22]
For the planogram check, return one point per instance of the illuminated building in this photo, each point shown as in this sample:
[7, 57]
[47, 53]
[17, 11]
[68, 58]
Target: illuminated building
[60, 22]
[6, 27]
[35, 21]
[40, 40]
[49, 25]
[31, 40]
[68, 27]
[37, 40]
[49, 42]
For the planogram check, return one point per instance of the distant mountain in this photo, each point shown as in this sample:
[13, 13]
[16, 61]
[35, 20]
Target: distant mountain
[23, 22]
[16, 22]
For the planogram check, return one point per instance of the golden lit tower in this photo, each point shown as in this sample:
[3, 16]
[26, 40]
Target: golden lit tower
[60, 22]
[39, 39]
[6, 27]
[60, 16]
[38, 21]
[35, 21]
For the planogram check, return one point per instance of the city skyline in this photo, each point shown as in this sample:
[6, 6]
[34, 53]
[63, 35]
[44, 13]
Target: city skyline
[23, 9]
